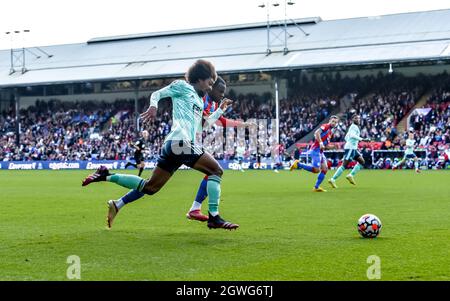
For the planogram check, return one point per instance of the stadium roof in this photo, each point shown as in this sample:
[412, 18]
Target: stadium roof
[418, 36]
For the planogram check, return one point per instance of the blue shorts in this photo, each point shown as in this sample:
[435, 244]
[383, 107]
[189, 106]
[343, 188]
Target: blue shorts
[317, 158]
[351, 154]
[410, 156]
[176, 153]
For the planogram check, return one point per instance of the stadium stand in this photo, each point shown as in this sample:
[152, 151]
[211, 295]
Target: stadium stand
[66, 124]
[90, 130]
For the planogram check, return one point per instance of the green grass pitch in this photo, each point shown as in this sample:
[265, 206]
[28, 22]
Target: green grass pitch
[286, 232]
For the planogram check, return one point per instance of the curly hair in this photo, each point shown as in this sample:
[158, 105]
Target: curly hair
[201, 69]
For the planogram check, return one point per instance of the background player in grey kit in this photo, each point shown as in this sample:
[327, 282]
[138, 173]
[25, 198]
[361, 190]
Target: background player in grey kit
[351, 153]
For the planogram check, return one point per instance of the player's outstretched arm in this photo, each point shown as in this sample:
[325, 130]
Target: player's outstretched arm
[211, 119]
[172, 90]
[231, 123]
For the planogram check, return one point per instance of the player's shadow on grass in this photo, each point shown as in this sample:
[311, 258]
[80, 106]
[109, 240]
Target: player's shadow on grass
[175, 239]
[198, 238]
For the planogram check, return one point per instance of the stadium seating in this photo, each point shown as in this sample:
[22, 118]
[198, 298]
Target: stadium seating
[92, 130]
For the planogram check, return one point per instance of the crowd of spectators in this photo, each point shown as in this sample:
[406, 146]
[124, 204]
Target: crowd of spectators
[432, 127]
[92, 130]
[87, 130]
[380, 114]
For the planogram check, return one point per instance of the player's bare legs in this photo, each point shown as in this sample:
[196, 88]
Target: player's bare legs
[158, 179]
[208, 165]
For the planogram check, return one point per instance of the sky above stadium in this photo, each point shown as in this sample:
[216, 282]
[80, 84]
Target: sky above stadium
[75, 21]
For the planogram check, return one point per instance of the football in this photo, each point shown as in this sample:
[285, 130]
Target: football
[369, 226]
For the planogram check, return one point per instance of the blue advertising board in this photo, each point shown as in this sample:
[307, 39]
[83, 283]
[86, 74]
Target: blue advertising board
[111, 164]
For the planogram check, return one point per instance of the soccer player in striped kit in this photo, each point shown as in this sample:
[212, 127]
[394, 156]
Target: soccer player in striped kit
[319, 161]
[211, 102]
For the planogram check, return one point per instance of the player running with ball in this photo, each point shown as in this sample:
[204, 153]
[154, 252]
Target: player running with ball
[180, 146]
[350, 153]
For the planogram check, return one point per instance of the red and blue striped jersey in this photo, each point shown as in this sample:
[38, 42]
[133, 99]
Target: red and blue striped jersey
[325, 135]
[210, 106]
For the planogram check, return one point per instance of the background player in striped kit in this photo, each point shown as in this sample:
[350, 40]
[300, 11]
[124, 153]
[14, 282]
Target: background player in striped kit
[211, 102]
[319, 161]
